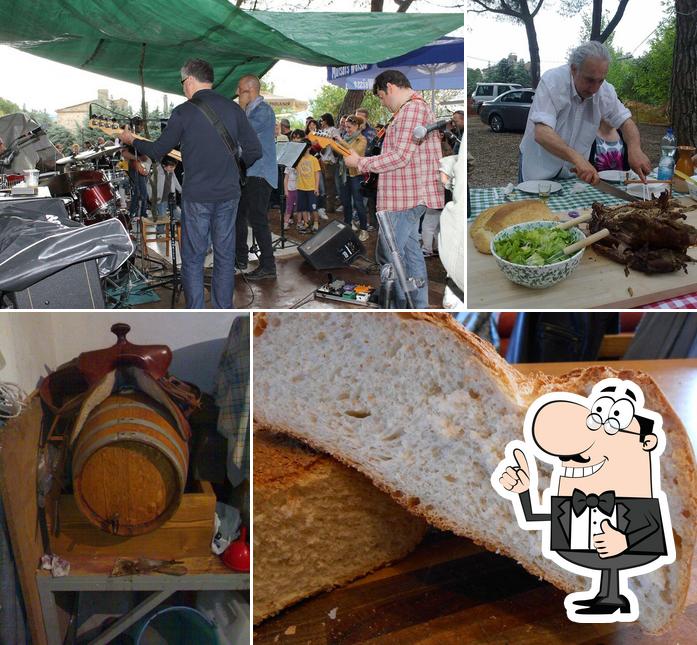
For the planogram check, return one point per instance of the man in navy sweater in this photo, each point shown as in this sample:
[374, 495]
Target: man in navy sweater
[211, 189]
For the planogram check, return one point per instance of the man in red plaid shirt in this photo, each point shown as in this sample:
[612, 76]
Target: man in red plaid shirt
[408, 180]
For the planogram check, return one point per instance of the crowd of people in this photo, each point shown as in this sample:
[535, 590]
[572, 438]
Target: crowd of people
[231, 177]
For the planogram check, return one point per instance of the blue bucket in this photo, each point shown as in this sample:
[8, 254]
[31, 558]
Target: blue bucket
[175, 626]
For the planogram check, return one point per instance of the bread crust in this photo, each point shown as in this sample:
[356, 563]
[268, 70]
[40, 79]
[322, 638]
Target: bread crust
[524, 390]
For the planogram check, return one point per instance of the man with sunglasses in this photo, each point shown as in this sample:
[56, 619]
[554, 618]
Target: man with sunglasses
[211, 188]
[605, 514]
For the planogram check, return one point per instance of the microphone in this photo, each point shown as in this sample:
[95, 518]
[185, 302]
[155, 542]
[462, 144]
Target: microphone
[420, 131]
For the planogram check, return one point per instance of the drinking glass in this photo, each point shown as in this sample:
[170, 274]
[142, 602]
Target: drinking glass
[543, 189]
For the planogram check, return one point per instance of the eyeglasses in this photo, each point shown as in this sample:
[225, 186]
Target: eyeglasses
[183, 81]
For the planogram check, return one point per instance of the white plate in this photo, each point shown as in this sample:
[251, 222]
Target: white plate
[655, 189]
[533, 186]
[614, 176]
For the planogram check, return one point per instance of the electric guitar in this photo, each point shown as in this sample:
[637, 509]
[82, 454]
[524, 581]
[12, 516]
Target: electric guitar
[321, 139]
[114, 132]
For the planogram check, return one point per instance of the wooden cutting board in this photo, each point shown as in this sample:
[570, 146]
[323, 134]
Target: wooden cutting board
[451, 591]
[596, 282]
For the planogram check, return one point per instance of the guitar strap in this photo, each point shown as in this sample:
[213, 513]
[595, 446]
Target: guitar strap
[231, 144]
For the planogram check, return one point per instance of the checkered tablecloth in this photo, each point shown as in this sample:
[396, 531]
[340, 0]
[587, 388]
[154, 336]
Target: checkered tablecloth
[563, 200]
[687, 301]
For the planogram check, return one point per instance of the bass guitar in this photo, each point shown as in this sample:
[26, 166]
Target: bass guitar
[97, 124]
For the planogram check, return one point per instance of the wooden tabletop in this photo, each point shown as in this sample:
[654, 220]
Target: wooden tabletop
[450, 590]
[597, 282]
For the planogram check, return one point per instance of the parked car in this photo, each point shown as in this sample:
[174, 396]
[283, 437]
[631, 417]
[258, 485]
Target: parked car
[508, 111]
[489, 91]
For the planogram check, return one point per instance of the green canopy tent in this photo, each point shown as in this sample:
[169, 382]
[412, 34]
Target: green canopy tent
[111, 37]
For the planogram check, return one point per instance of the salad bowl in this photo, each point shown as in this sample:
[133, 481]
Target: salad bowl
[536, 276]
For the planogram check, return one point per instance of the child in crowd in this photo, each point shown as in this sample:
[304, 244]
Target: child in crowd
[307, 185]
[167, 183]
[290, 183]
[351, 188]
[608, 151]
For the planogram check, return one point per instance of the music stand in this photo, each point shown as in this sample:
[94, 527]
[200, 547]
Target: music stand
[288, 153]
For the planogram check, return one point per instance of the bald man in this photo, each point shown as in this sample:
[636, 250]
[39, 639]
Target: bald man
[262, 178]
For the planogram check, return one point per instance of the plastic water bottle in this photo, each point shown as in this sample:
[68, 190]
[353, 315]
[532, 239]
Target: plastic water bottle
[666, 166]
[668, 143]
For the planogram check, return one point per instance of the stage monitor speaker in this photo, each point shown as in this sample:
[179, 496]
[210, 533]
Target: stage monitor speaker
[75, 287]
[332, 247]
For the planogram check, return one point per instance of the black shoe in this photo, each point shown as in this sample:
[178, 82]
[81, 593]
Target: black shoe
[603, 607]
[241, 266]
[588, 602]
[261, 273]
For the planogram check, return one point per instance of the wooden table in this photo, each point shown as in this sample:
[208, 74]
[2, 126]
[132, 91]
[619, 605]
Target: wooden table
[596, 283]
[92, 574]
[450, 590]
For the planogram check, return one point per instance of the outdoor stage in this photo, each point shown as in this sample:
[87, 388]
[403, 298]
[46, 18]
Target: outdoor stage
[297, 279]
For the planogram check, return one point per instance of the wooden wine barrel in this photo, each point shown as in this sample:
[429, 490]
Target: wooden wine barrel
[129, 465]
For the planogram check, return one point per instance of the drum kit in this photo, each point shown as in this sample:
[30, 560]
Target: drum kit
[90, 194]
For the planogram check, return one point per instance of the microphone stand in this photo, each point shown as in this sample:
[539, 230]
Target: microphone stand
[172, 202]
[393, 272]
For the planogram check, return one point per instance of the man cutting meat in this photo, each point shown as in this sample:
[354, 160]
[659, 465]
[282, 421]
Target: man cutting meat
[564, 117]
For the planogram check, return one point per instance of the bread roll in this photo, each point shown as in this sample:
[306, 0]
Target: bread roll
[496, 218]
[318, 524]
[426, 409]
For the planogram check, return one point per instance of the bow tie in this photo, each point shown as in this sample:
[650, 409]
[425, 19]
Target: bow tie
[605, 501]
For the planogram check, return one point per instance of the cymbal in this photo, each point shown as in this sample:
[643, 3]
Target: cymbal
[87, 155]
[64, 160]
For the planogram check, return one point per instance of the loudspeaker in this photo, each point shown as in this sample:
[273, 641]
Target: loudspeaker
[331, 247]
[75, 287]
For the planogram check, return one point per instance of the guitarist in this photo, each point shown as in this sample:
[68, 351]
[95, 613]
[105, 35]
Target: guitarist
[212, 130]
[138, 170]
[409, 181]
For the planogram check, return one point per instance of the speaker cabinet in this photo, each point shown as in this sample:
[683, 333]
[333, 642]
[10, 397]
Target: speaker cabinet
[75, 287]
[332, 247]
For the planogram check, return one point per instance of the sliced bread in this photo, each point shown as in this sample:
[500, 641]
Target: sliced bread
[426, 409]
[318, 524]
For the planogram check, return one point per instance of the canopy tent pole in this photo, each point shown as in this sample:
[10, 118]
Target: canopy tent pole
[433, 89]
[143, 107]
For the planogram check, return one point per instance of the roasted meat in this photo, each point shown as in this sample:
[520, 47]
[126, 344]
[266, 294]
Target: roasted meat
[650, 236]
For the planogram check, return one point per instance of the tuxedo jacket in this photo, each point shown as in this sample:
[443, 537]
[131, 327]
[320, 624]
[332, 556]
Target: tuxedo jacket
[639, 518]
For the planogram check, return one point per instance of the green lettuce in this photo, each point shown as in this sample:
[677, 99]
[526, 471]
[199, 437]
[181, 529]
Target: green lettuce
[533, 247]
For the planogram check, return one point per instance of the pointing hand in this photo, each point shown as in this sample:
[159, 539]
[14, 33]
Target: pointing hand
[516, 478]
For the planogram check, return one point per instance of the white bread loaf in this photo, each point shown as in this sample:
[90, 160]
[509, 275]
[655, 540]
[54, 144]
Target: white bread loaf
[425, 409]
[496, 218]
[318, 524]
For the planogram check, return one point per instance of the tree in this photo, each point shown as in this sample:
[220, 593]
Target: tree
[8, 107]
[474, 76]
[601, 28]
[683, 95]
[519, 11]
[507, 71]
[331, 99]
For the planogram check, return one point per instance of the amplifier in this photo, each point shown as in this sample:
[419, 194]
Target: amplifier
[75, 287]
[332, 247]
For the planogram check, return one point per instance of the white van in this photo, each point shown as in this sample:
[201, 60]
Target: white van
[489, 91]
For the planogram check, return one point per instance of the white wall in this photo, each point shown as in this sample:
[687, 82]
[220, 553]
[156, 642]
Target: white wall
[27, 348]
[28, 341]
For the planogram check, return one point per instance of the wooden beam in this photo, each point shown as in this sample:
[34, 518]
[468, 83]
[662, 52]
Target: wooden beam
[18, 457]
